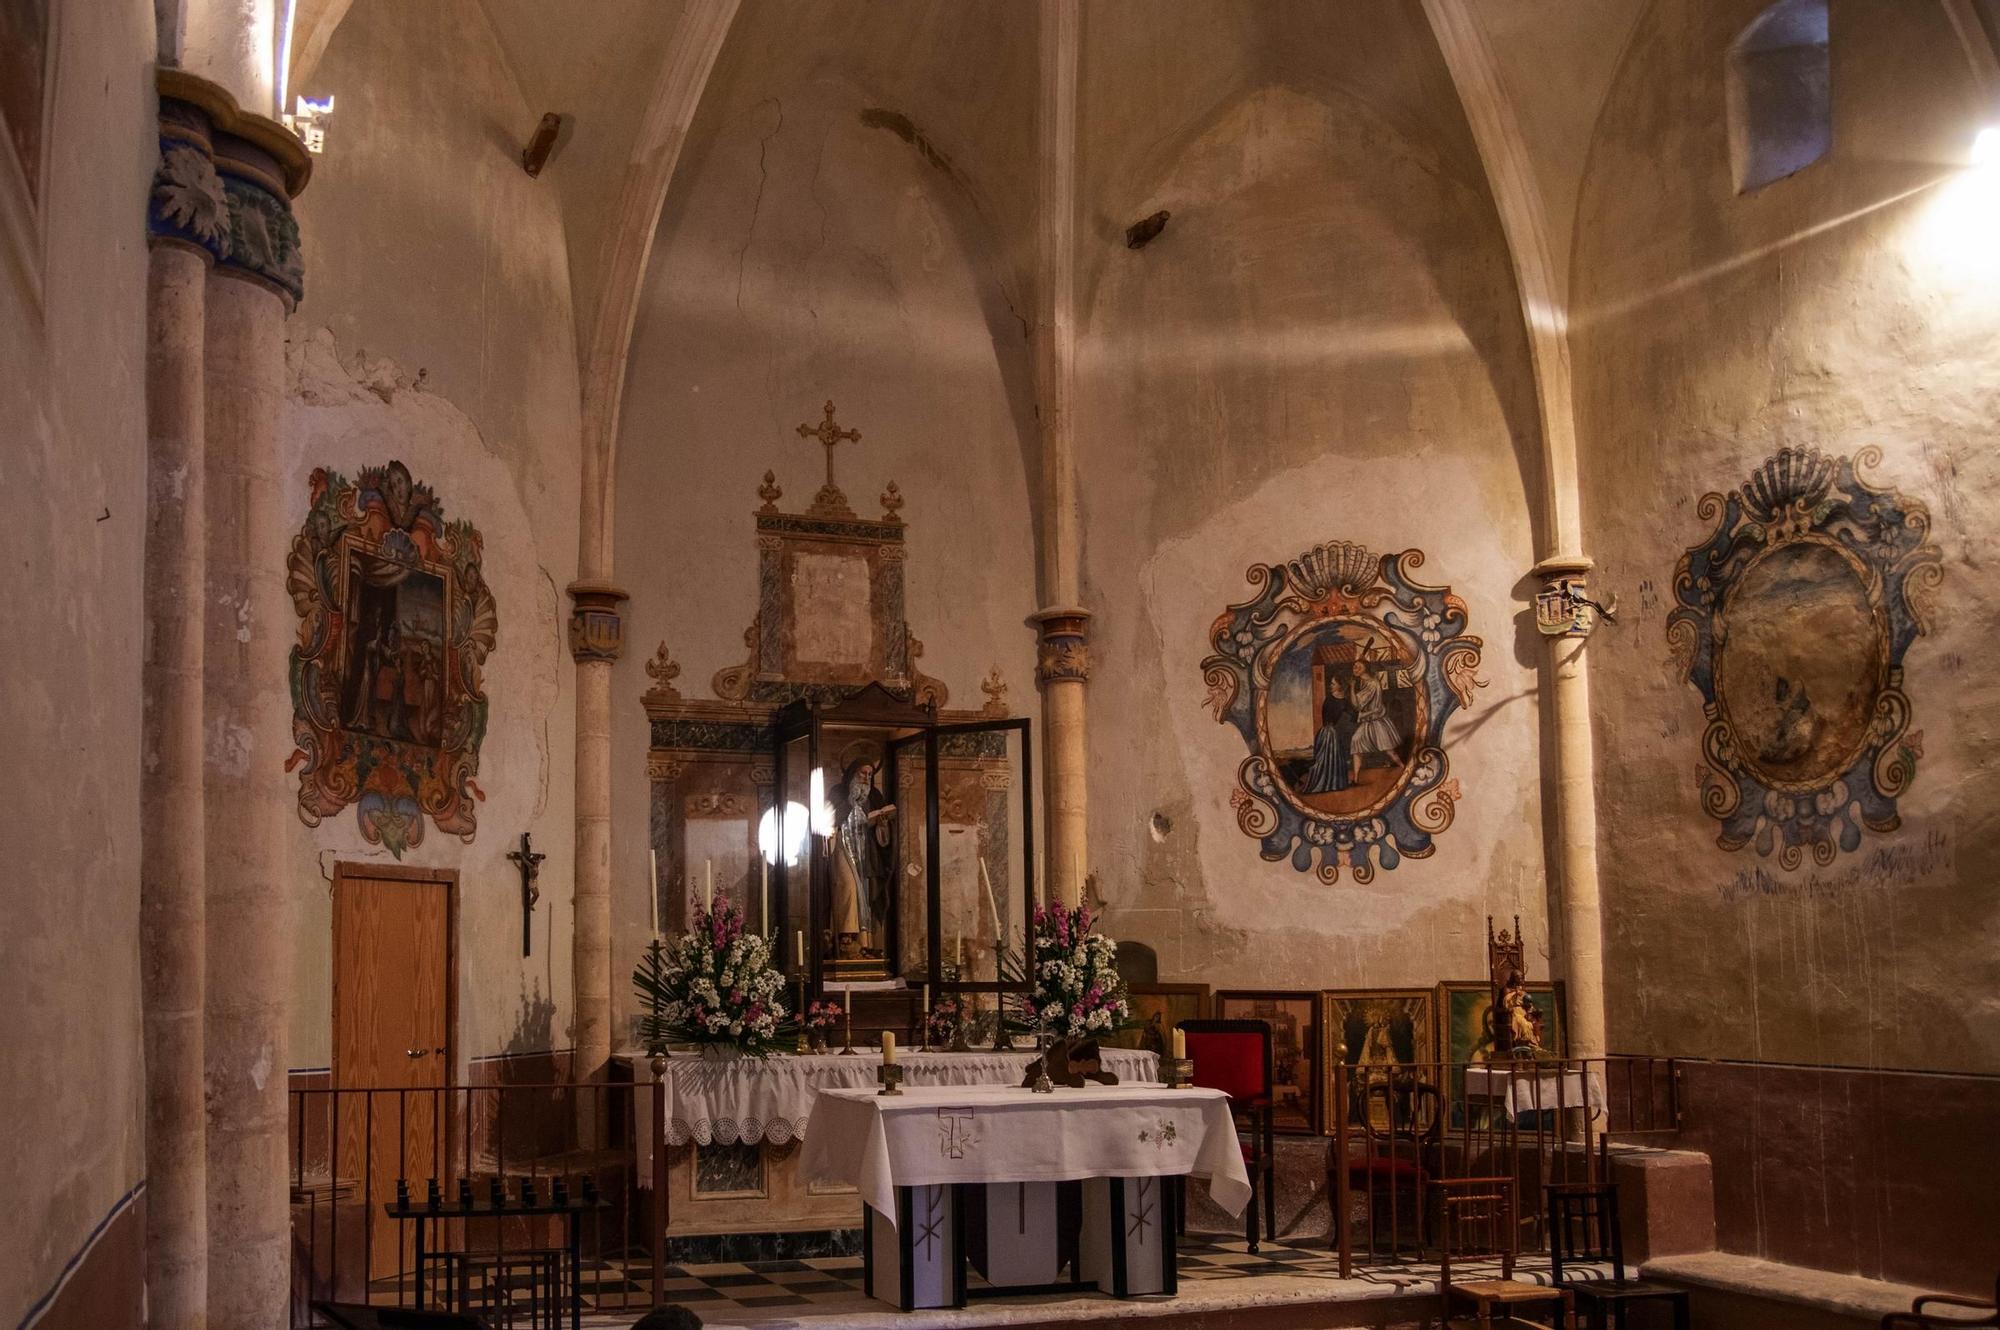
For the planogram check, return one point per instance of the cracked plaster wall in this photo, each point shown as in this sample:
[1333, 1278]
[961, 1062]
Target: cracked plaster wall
[807, 253]
[437, 328]
[1324, 345]
[73, 492]
[1856, 303]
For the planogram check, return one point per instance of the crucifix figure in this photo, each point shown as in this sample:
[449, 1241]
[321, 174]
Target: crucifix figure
[828, 435]
[530, 865]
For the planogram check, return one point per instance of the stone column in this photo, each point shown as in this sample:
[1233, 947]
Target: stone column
[1064, 662]
[1061, 667]
[1577, 914]
[596, 637]
[187, 228]
[248, 626]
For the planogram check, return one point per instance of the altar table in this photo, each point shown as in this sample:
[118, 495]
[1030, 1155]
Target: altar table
[933, 1161]
[1529, 1087]
[735, 1099]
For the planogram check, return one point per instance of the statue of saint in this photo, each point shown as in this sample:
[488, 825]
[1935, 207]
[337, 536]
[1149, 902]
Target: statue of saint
[861, 867]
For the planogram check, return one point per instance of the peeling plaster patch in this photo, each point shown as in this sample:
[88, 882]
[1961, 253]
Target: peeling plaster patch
[228, 748]
[260, 1070]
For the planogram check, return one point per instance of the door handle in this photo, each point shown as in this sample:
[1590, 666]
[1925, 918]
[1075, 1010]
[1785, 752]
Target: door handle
[415, 1052]
[438, 1051]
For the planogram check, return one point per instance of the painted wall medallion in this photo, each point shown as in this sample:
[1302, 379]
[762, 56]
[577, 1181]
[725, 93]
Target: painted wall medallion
[1791, 621]
[395, 624]
[1339, 675]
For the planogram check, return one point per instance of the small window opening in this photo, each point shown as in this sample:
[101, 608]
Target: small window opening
[1780, 94]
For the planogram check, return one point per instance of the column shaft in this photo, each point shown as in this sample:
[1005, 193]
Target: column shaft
[249, 969]
[596, 637]
[171, 882]
[1580, 916]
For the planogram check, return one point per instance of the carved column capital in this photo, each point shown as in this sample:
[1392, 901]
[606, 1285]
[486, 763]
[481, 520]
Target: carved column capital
[596, 621]
[1064, 649]
[226, 182]
[1563, 605]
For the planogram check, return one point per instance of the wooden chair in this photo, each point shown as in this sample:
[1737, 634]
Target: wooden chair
[1583, 1226]
[1476, 1222]
[1401, 1123]
[1235, 1058]
[1916, 1318]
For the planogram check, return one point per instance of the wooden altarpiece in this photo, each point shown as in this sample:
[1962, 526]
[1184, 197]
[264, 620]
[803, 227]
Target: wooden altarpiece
[750, 790]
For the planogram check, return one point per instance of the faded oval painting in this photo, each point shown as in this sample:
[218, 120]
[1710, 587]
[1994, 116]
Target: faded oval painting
[1800, 664]
[1342, 716]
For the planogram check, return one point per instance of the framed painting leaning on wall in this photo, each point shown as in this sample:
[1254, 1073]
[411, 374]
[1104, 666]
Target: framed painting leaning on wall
[1465, 1027]
[1373, 1029]
[1294, 1018]
[1158, 1008]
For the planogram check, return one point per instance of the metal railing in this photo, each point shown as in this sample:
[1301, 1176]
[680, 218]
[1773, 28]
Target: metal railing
[1399, 1129]
[483, 1198]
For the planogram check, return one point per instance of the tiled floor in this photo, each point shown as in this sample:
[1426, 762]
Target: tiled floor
[1213, 1267]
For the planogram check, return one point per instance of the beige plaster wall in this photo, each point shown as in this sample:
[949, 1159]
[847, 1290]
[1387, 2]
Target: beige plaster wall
[806, 255]
[1324, 344]
[437, 329]
[1855, 304]
[72, 394]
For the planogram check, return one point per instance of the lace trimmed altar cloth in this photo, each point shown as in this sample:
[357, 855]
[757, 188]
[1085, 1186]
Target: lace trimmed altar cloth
[732, 1099]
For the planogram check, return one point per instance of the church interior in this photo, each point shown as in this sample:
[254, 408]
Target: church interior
[853, 663]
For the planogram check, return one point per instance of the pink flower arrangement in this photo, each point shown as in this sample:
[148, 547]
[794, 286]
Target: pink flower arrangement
[822, 1016]
[1077, 989]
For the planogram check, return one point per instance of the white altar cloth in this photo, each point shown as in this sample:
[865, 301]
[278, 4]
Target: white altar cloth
[737, 1099]
[1529, 1088]
[991, 1133]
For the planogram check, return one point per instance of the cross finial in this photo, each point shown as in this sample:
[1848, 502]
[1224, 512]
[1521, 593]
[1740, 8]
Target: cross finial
[828, 435]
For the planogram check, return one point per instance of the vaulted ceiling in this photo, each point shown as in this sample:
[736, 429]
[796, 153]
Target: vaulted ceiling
[965, 75]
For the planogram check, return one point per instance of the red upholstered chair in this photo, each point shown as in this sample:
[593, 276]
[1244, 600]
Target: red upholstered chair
[1235, 1058]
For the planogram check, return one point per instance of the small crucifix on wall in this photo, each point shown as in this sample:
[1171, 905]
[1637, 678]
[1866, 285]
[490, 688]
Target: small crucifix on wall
[530, 865]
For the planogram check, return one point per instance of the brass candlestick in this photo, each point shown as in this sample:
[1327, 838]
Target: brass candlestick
[890, 1074]
[847, 1023]
[1043, 1085]
[1178, 1073]
[1001, 1042]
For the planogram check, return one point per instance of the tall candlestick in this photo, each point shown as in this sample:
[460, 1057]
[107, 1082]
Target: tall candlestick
[708, 887]
[999, 932]
[889, 1047]
[959, 959]
[764, 897]
[656, 891]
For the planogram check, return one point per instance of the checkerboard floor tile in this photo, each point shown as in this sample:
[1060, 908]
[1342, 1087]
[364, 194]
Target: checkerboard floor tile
[619, 1293]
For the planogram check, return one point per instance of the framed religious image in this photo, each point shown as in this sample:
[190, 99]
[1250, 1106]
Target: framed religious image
[1294, 1018]
[1371, 1030]
[1465, 1025]
[1158, 1008]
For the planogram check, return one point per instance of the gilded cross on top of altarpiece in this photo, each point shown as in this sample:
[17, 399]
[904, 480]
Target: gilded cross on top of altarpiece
[828, 435]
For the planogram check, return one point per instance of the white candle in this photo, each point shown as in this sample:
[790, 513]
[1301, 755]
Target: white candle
[708, 886]
[960, 960]
[1180, 1042]
[999, 932]
[656, 891]
[888, 1048]
[799, 949]
[764, 897]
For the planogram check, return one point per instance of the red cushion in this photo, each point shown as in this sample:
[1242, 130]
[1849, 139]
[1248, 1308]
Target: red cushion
[1230, 1062]
[1401, 1169]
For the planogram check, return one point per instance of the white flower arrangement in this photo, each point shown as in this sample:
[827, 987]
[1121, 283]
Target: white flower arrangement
[714, 984]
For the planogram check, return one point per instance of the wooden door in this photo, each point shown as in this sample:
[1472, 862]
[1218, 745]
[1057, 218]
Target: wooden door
[392, 1009]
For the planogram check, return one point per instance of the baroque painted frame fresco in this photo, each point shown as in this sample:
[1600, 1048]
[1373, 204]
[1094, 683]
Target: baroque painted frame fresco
[1812, 579]
[1340, 631]
[395, 624]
